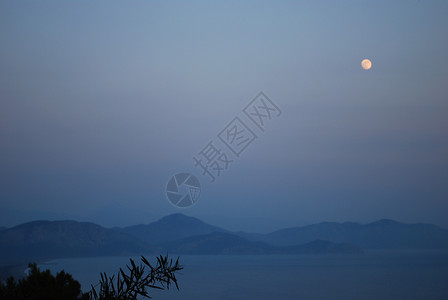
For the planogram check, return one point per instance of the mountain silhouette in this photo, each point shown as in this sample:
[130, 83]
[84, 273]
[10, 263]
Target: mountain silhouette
[383, 234]
[180, 234]
[227, 243]
[55, 239]
[170, 228]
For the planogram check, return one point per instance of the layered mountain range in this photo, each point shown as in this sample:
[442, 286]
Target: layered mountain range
[180, 234]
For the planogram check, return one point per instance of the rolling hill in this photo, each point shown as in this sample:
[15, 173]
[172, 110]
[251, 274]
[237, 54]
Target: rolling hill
[180, 234]
[383, 234]
[170, 228]
[54, 239]
[227, 243]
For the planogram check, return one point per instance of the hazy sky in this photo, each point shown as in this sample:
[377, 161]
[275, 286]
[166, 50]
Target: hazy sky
[101, 102]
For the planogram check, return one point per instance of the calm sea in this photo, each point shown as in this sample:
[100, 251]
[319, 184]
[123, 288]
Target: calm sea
[373, 275]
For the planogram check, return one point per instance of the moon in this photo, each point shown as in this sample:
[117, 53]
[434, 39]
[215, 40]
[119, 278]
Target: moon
[366, 64]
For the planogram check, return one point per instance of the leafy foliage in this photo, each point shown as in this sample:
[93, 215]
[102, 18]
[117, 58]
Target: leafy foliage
[122, 286]
[42, 285]
[134, 284]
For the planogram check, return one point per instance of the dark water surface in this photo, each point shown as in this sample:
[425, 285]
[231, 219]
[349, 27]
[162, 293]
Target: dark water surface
[373, 275]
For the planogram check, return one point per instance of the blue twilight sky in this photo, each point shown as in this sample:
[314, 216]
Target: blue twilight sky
[101, 102]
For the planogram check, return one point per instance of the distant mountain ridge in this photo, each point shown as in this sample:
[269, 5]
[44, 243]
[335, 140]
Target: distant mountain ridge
[170, 228]
[383, 234]
[180, 234]
[54, 239]
[227, 243]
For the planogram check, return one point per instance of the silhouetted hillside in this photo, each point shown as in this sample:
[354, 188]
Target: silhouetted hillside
[171, 228]
[106, 216]
[187, 235]
[226, 243]
[383, 234]
[51, 239]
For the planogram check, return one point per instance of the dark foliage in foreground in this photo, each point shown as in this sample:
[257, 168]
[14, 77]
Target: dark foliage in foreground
[123, 286]
[134, 284]
[42, 285]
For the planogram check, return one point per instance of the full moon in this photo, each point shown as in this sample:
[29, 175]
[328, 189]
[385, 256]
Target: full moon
[366, 64]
